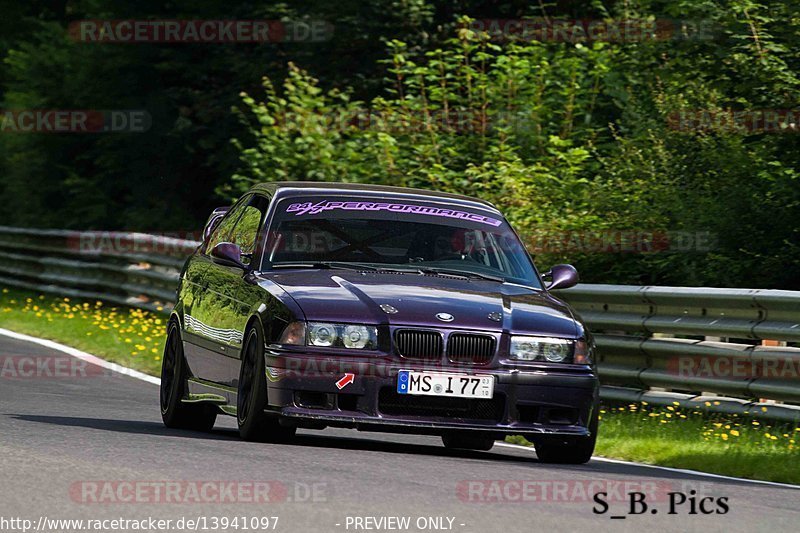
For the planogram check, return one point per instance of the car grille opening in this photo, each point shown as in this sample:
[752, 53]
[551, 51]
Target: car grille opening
[470, 348]
[347, 402]
[313, 400]
[419, 344]
[528, 414]
[561, 416]
[392, 403]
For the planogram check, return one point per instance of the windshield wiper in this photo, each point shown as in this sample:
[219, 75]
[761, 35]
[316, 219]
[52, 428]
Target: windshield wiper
[323, 265]
[464, 274]
[461, 273]
[347, 266]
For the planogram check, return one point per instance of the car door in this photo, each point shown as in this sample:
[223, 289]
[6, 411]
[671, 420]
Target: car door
[207, 333]
[248, 235]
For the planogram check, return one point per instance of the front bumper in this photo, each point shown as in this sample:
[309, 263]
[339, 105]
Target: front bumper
[302, 389]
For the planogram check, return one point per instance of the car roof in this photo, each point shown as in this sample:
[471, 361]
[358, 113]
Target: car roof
[290, 188]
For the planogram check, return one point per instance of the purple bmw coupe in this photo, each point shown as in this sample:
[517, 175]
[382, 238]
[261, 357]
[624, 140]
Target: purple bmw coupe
[377, 308]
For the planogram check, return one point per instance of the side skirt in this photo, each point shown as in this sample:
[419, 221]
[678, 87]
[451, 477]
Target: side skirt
[201, 391]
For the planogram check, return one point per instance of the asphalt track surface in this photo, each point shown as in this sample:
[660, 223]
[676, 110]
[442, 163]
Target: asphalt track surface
[92, 446]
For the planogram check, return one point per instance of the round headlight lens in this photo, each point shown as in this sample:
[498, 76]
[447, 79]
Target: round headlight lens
[322, 334]
[355, 336]
[527, 351]
[556, 353]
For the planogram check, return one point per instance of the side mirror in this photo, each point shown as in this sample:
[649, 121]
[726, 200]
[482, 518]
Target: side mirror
[562, 277]
[229, 254]
[213, 221]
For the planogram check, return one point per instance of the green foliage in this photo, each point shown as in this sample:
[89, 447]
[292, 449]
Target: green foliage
[507, 124]
[163, 179]
[570, 139]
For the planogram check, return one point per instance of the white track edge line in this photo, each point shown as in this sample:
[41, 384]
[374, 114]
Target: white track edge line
[84, 356]
[668, 468]
[119, 369]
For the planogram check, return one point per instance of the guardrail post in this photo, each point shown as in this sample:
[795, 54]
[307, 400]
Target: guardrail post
[770, 342]
[711, 338]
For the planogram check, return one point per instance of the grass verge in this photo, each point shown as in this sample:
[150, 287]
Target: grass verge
[127, 336]
[730, 445]
[672, 436]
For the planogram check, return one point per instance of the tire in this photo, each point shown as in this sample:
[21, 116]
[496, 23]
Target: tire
[569, 450]
[254, 423]
[174, 374]
[468, 441]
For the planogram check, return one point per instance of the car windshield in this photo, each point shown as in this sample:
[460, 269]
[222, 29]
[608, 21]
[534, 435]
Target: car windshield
[378, 234]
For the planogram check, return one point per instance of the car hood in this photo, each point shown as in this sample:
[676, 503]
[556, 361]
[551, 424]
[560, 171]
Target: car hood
[364, 297]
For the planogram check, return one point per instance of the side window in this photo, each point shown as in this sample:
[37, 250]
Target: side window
[245, 233]
[225, 228]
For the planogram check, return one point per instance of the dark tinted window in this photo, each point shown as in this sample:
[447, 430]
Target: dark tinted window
[224, 230]
[246, 229]
[397, 233]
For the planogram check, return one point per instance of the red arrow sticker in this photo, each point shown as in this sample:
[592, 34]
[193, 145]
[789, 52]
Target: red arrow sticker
[346, 380]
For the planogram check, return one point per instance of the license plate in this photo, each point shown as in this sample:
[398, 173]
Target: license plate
[443, 384]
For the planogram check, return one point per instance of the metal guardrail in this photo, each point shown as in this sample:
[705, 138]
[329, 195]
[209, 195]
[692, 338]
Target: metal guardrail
[135, 269]
[658, 338]
[652, 342]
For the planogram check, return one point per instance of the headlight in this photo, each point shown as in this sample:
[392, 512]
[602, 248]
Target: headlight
[580, 355]
[356, 336]
[295, 333]
[342, 335]
[322, 334]
[549, 349]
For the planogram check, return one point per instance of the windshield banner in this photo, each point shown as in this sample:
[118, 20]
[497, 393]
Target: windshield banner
[309, 208]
